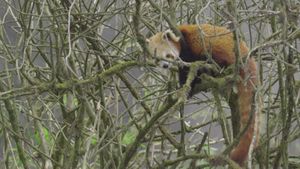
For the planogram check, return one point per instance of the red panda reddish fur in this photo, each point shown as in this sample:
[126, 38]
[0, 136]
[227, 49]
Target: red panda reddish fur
[218, 41]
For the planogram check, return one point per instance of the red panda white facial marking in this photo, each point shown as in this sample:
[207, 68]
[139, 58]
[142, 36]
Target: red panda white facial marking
[164, 45]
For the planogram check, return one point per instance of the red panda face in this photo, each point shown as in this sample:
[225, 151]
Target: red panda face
[163, 45]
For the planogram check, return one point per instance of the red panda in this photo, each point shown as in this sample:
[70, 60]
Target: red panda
[218, 42]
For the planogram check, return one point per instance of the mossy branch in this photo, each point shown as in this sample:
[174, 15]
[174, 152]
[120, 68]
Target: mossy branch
[12, 115]
[46, 86]
[136, 21]
[131, 150]
[171, 104]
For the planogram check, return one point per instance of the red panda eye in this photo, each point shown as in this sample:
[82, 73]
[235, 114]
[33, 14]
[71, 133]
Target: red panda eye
[168, 35]
[169, 56]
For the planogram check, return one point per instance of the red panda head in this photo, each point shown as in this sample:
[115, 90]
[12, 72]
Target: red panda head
[164, 45]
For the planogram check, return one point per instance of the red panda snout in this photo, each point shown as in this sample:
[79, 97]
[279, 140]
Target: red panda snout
[164, 64]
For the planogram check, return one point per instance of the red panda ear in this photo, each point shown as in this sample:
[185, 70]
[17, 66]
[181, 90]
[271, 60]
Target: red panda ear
[169, 35]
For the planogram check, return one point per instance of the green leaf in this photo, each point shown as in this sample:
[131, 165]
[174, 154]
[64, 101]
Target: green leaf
[128, 138]
[94, 140]
[46, 134]
[74, 101]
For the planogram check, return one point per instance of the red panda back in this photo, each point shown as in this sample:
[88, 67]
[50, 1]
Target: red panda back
[217, 41]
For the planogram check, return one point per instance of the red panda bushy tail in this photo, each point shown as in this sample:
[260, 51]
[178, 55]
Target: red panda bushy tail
[246, 96]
